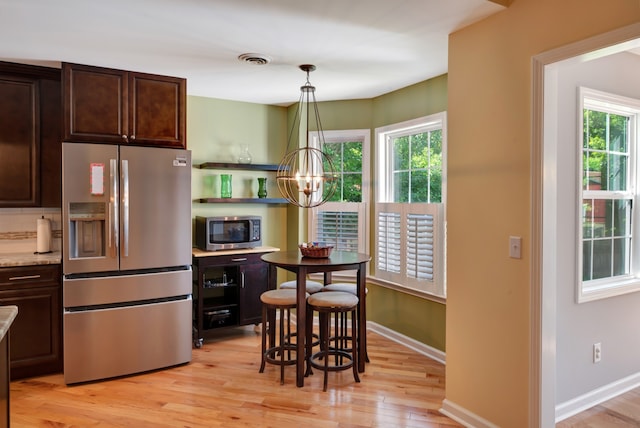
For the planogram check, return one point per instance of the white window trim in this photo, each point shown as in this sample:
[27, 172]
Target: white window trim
[600, 289]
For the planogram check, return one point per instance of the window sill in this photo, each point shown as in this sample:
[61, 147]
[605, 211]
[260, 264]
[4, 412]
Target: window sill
[406, 290]
[605, 291]
[335, 277]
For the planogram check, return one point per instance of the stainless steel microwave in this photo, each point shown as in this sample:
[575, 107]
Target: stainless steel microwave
[228, 233]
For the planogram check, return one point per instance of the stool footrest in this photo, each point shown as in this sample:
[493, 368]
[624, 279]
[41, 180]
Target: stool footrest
[321, 355]
[271, 355]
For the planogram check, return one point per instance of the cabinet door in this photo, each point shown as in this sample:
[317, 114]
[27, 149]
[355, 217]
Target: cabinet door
[35, 338]
[254, 282]
[95, 104]
[50, 143]
[19, 143]
[157, 110]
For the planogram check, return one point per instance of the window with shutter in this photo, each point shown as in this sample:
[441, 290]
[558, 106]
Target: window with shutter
[343, 221]
[410, 205]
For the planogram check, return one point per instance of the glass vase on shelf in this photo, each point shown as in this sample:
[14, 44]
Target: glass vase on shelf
[225, 185]
[262, 187]
[244, 156]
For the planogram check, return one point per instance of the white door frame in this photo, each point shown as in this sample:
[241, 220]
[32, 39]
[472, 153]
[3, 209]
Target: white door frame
[543, 180]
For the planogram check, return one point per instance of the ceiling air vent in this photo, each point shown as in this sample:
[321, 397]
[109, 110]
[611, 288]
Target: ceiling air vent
[255, 59]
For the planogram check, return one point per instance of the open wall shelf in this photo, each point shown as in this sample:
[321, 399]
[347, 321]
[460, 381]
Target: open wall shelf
[242, 200]
[242, 166]
[245, 166]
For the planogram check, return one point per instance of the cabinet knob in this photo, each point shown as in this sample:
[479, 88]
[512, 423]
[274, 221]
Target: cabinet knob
[133, 137]
[124, 137]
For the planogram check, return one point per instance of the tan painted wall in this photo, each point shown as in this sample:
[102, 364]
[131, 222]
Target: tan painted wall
[488, 306]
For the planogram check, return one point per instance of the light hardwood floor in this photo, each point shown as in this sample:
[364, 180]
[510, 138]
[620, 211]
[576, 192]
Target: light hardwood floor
[222, 387]
[619, 412]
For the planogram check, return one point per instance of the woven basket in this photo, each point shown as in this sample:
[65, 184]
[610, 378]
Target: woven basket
[316, 252]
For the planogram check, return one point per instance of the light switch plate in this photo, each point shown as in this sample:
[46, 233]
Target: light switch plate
[515, 247]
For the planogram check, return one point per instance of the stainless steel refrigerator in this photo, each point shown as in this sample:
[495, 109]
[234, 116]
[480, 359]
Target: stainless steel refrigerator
[126, 259]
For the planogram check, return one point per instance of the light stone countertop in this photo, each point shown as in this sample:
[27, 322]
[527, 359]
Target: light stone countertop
[196, 252]
[29, 259]
[7, 315]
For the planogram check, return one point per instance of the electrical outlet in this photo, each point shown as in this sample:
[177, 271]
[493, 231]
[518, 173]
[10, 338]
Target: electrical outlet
[597, 352]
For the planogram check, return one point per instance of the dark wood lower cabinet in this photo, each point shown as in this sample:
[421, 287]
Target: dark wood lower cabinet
[226, 291]
[36, 333]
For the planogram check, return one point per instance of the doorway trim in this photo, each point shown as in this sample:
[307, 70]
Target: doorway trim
[542, 368]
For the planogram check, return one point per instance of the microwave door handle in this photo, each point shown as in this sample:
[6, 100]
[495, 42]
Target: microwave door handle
[125, 206]
[113, 208]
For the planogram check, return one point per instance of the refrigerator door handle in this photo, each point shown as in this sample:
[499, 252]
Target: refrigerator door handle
[125, 206]
[113, 208]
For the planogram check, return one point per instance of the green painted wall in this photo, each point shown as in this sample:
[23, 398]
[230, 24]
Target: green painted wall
[215, 129]
[415, 317]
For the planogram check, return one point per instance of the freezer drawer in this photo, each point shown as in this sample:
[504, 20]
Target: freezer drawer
[104, 290]
[104, 343]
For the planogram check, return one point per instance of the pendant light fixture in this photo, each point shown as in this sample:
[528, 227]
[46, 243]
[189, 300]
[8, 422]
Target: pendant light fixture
[306, 176]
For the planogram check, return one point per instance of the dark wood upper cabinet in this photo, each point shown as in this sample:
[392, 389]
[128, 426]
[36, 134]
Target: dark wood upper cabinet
[103, 105]
[157, 113]
[95, 104]
[30, 136]
[19, 142]
[50, 143]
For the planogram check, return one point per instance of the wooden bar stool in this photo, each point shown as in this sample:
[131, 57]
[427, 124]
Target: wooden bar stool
[327, 304]
[311, 287]
[349, 287]
[281, 301]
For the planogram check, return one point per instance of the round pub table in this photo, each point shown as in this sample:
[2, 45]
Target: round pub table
[293, 261]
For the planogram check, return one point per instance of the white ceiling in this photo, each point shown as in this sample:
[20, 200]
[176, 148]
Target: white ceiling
[361, 48]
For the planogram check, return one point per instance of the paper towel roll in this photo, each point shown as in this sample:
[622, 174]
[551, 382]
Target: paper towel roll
[43, 235]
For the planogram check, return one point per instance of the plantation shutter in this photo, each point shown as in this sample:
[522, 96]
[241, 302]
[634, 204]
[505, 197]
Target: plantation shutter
[339, 229]
[410, 241]
[420, 245]
[389, 242]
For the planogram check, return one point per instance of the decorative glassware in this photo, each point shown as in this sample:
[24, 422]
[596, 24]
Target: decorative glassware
[244, 156]
[262, 187]
[225, 185]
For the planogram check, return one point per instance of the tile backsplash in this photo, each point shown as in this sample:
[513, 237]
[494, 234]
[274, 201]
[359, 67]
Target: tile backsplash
[18, 229]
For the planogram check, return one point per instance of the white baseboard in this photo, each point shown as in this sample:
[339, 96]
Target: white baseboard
[419, 347]
[597, 396]
[463, 416]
